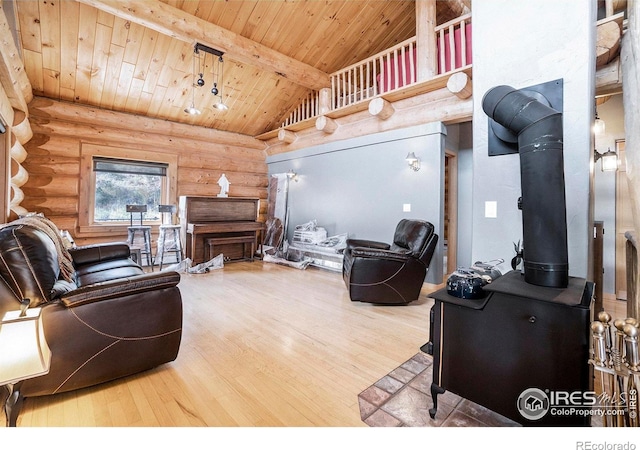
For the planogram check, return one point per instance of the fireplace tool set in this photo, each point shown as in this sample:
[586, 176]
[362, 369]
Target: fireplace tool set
[615, 359]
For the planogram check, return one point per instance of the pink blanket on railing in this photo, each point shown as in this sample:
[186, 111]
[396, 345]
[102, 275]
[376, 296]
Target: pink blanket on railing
[458, 49]
[387, 80]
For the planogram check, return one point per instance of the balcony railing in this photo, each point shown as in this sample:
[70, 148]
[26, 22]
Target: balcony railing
[308, 108]
[375, 75]
[389, 70]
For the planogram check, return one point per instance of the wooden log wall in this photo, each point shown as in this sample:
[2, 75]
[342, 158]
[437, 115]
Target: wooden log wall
[15, 93]
[60, 128]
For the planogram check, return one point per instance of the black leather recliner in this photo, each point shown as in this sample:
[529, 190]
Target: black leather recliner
[103, 317]
[376, 272]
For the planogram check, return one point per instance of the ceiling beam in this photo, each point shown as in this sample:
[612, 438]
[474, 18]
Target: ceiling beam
[178, 24]
[13, 77]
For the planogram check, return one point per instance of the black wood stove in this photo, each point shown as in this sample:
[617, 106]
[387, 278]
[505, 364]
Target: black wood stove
[517, 337]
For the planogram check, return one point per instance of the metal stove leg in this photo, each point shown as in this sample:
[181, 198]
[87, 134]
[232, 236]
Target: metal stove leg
[435, 390]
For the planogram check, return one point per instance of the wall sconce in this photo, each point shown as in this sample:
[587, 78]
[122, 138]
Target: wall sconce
[291, 175]
[609, 160]
[414, 161]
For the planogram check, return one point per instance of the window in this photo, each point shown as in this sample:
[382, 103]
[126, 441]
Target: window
[113, 177]
[122, 182]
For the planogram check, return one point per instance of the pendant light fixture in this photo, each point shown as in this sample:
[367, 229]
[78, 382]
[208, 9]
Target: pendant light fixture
[191, 109]
[217, 92]
[218, 81]
[598, 124]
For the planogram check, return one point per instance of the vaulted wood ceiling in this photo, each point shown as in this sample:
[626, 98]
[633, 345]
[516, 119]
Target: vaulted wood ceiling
[127, 57]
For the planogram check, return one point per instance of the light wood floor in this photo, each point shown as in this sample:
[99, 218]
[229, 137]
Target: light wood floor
[263, 345]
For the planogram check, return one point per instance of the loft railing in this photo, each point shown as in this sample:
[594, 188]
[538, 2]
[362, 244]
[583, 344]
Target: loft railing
[308, 108]
[454, 37]
[389, 70]
[375, 75]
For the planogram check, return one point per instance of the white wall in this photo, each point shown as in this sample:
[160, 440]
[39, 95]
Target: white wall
[612, 113]
[358, 186]
[522, 44]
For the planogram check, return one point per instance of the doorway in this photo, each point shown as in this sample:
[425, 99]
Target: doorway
[450, 213]
[624, 221]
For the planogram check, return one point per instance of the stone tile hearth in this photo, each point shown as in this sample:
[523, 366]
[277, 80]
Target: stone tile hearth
[403, 398]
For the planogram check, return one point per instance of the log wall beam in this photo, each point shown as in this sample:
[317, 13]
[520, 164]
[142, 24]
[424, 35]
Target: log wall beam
[324, 123]
[16, 94]
[13, 76]
[381, 108]
[181, 25]
[609, 79]
[427, 58]
[460, 84]
[434, 106]
[607, 42]
[287, 136]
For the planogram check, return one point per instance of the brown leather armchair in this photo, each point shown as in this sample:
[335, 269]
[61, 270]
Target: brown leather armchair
[103, 317]
[377, 272]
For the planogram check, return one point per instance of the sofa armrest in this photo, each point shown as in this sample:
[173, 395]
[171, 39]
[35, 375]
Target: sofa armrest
[90, 254]
[120, 288]
[353, 243]
[369, 253]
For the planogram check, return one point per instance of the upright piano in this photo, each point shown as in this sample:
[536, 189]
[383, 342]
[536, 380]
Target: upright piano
[214, 225]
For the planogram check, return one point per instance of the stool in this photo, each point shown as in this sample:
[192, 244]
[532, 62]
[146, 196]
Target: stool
[167, 230]
[141, 232]
[166, 245]
[144, 232]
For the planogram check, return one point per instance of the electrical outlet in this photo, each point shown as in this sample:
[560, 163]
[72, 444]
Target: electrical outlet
[406, 207]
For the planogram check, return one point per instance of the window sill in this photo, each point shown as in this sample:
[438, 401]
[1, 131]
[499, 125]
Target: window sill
[110, 229]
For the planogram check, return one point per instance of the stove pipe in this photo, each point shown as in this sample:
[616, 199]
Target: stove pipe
[544, 216]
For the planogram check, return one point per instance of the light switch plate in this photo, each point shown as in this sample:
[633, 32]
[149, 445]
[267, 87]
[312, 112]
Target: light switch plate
[406, 207]
[491, 210]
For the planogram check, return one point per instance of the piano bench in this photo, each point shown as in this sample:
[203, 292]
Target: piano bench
[211, 243]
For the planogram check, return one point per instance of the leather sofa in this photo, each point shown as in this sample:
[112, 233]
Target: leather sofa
[103, 317]
[392, 274]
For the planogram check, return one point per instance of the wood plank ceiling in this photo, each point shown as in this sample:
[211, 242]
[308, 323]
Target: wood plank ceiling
[78, 53]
